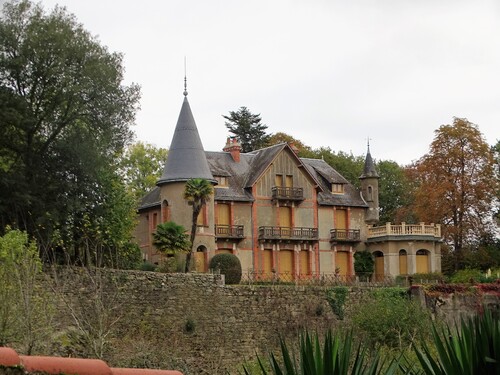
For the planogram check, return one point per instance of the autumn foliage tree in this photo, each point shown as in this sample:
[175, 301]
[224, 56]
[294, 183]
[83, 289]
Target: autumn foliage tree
[456, 184]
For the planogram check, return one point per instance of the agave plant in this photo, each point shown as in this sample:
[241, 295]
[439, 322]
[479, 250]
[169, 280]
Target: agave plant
[471, 348]
[337, 356]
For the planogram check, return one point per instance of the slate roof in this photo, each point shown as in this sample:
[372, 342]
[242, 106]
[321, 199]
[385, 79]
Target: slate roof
[151, 199]
[369, 168]
[241, 177]
[326, 175]
[186, 156]
[222, 164]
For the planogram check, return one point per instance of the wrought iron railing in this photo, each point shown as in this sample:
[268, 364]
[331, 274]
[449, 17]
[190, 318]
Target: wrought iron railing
[287, 278]
[345, 235]
[291, 233]
[229, 231]
[287, 193]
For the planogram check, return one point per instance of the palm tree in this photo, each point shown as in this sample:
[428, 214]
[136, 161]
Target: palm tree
[197, 192]
[170, 238]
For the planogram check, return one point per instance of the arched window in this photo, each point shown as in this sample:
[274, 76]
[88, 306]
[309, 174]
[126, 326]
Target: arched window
[369, 193]
[200, 258]
[403, 262]
[165, 211]
[423, 261]
[379, 265]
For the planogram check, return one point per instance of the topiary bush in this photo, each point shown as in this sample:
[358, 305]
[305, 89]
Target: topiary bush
[229, 265]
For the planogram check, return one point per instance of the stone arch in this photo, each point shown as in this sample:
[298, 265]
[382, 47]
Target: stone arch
[423, 261]
[403, 262]
[201, 258]
[379, 265]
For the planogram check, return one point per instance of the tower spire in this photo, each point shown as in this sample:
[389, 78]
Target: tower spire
[185, 79]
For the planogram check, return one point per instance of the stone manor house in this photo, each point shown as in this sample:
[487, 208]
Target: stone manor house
[281, 215]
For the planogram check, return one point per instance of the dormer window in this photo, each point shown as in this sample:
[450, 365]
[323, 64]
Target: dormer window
[338, 188]
[221, 181]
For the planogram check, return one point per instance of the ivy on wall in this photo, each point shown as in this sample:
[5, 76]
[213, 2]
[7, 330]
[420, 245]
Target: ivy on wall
[336, 298]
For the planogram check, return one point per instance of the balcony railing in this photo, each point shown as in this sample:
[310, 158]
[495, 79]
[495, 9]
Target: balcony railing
[287, 193]
[403, 229]
[345, 235]
[287, 233]
[229, 231]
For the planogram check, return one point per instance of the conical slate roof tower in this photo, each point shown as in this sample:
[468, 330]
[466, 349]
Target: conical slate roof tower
[369, 169]
[186, 156]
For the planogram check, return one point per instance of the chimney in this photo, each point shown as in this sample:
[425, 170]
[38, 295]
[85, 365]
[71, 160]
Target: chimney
[294, 148]
[233, 146]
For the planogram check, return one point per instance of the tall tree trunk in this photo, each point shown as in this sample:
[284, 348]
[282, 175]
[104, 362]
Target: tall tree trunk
[189, 256]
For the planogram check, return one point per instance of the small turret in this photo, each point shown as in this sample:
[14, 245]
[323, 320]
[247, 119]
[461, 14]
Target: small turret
[369, 189]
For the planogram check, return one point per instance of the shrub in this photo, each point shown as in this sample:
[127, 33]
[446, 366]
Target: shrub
[147, 266]
[467, 276]
[229, 265]
[336, 297]
[364, 264]
[389, 318]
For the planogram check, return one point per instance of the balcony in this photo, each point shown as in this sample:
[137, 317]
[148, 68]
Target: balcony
[229, 231]
[403, 231]
[345, 235]
[289, 234]
[287, 193]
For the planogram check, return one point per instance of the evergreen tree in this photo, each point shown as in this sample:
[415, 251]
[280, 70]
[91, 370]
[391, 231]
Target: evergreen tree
[249, 130]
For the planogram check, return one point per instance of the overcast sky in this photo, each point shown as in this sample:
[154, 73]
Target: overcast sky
[328, 72]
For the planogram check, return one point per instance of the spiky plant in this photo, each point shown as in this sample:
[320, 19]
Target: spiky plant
[471, 348]
[338, 355]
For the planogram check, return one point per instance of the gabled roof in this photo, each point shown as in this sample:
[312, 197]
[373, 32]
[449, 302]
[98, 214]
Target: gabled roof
[186, 156]
[222, 164]
[261, 160]
[326, 175]
[242, 175]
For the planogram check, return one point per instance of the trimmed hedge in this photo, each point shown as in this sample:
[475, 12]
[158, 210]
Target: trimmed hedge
[229, 266]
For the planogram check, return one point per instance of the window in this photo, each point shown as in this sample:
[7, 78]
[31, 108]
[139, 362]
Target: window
[370, 194]
[278, 180]
[222, 181]
[337, 188]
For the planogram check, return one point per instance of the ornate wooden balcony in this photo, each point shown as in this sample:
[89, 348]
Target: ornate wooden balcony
[345, 235]
[287, 193]
[287, 233]
[229, 231]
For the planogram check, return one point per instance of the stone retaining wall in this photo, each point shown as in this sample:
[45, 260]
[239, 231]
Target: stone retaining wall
[193, 322]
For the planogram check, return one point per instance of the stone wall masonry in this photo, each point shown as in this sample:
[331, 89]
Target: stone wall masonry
[189, 322]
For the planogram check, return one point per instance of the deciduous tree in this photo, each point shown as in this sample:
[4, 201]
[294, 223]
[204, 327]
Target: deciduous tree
[141, 167]
[65, 116]
[457, 184]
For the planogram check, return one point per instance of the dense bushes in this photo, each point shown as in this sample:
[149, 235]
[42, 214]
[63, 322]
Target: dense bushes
[229, 266]
[388, 317]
